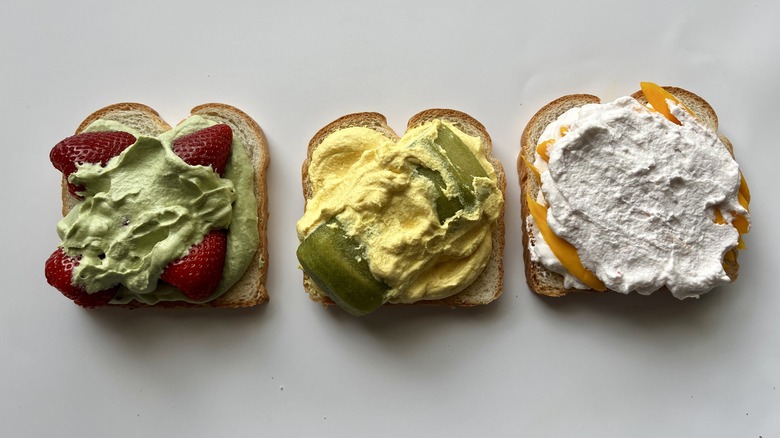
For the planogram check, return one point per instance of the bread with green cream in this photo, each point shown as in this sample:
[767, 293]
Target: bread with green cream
[244, 173]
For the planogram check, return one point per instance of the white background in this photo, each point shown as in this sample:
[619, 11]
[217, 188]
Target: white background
[605, 366]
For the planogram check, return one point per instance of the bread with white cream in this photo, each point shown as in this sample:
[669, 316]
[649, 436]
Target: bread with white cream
[626, 196]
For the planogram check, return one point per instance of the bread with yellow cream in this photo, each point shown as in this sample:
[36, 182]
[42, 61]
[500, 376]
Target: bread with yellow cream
[488, 284]
[543, 280]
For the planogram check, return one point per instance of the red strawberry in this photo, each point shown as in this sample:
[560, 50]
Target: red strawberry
[207, 147]
[59, 273]
[197, 274]
[89, 147]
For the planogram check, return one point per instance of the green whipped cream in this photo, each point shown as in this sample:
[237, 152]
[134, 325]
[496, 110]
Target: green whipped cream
[147, 207]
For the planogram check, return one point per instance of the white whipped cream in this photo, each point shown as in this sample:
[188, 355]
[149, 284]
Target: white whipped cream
[635, 194]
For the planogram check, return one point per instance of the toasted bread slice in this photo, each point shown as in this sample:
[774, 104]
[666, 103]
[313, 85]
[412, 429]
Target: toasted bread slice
[250, 289]
[490, 284]
[540, 279]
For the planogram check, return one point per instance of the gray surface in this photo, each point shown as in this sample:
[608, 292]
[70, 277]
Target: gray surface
[609, 366]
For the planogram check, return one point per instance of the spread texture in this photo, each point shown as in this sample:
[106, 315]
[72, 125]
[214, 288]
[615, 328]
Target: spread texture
[147, 207]
[647, 202]
[421, 210]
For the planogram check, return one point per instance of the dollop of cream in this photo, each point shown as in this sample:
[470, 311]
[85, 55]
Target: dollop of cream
[147, 207]
[371, 185]
[636, 195]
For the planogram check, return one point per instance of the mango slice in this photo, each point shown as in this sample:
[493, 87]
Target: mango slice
[741, 224]
[744, 190]
[534, 170]
[542, 147]
[743, 201]
[562, 249]
[657, 97]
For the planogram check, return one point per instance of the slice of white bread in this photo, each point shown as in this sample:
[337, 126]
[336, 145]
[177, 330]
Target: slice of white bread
[490, 284]
[540, 279]
[250, 289]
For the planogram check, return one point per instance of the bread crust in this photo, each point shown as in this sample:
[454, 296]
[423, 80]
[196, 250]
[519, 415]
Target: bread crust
[250, 289]
[541, 280]
[489, 285]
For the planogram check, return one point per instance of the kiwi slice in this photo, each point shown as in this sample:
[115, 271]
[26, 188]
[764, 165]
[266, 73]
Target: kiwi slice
[337, 264]
[460, 165]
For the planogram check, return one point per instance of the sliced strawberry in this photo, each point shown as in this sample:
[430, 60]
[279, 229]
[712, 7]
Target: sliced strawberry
[89, 147]
[59, 273]
[197, 274]
[207, 147]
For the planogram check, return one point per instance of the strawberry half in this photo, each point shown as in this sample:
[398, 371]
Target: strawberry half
[198, 273]
[59, 273]
[89, 147]
[207, 147]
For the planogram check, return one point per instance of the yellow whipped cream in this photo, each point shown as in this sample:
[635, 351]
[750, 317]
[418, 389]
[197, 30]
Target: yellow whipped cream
[373, 187]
